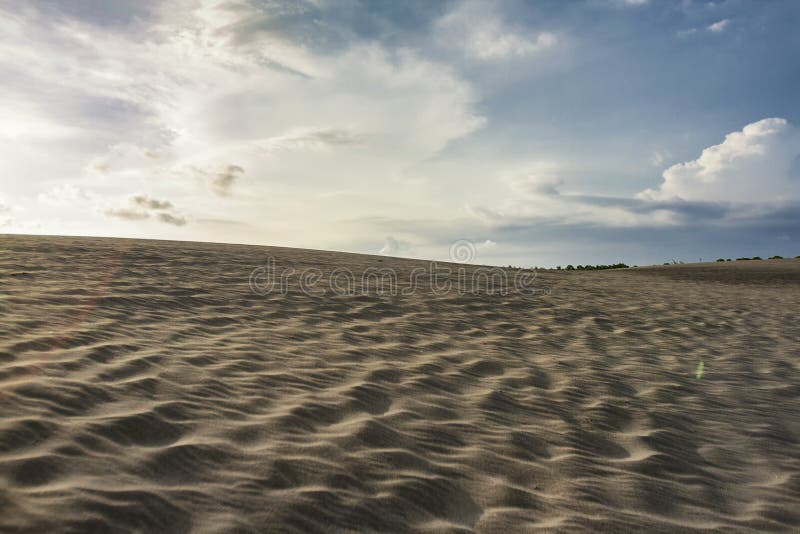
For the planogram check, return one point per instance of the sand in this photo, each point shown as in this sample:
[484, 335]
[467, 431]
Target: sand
[146, 388]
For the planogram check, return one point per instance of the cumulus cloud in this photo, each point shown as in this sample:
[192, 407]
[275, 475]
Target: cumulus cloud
[753, 174]
[484, 35]
[751, 165]
[202, 84]
[749, 181]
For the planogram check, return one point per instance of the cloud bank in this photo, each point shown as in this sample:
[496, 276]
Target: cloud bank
[753, 165]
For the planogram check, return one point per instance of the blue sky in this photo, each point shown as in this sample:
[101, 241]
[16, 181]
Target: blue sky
[546, 132]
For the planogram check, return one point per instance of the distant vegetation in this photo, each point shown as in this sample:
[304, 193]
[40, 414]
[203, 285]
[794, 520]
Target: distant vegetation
[594, 267]
[673, 262]
[753, 258]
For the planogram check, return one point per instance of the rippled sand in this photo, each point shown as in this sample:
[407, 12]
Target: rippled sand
[146, 388]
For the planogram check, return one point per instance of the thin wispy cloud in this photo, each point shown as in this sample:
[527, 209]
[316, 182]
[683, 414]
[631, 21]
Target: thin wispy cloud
[151, 203]
[222, 182]
[127, 214]
[719, 26]
[171, 219]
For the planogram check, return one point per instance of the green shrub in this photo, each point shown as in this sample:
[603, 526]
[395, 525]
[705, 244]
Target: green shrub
[776, 257]
[720, 259]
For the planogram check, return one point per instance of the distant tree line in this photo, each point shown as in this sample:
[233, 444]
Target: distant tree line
[756, 258]
[593, 267]
[621, 265]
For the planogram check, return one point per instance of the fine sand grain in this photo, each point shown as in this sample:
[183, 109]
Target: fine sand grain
[146, 388]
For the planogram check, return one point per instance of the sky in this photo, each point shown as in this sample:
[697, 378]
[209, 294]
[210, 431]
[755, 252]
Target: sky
[544, 132]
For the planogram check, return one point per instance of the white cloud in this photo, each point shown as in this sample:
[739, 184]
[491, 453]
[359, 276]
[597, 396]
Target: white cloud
[543, 183]
[484, 35]
[659, 157]
[753, 171]
[314, 138]
[752, 165]
[125, 156]
[536, 195]
[394, 247]
[180, 104]
[719, 26]
[25, 121]
[142, 107]
[492, 42]
[65, 194]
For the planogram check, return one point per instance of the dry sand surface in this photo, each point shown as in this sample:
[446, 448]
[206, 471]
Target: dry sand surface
[146, 388]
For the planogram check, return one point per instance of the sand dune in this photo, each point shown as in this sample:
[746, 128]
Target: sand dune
[146, 388]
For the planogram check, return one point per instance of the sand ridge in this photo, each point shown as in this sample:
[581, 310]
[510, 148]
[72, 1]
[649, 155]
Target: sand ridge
[147, 388]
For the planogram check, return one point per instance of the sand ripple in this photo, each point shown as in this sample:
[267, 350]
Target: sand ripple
[145, 388]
